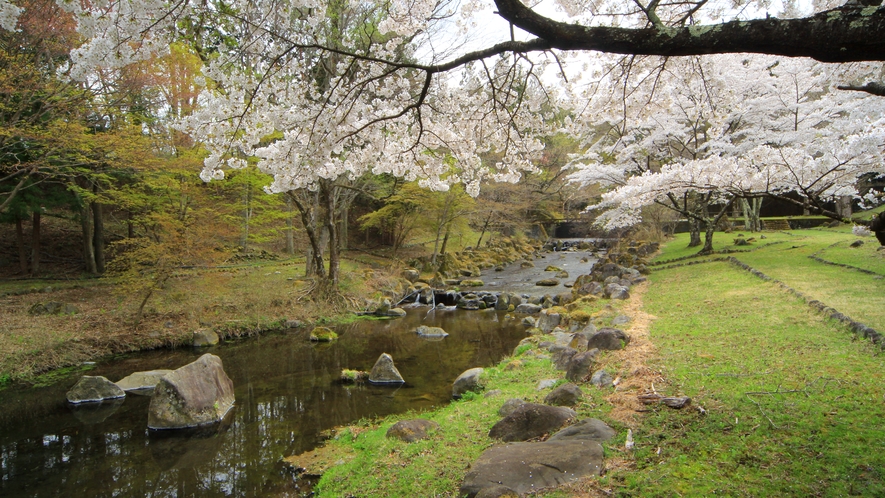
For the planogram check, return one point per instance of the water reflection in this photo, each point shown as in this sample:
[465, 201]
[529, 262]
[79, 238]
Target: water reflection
[287, 393]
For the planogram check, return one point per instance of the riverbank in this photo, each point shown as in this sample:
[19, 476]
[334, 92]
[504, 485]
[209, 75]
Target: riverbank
[47, 325]
[785, 400]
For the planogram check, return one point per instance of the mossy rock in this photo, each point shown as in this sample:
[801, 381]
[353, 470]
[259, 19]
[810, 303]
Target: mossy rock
[323, 334]
[580, 316]
[353, 376]
[552, 268]
[472, 283]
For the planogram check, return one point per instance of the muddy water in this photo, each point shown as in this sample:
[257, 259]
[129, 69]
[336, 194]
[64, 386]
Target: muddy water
[286, 394]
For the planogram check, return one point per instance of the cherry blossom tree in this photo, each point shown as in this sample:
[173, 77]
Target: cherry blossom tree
[322, 93]
[727, 128]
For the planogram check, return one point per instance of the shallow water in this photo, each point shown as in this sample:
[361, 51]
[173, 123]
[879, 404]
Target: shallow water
[515, 279]
[286, 394]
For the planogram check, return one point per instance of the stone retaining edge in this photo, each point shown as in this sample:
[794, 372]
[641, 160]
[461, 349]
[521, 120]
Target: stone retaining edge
[855, 326]
[819, 259]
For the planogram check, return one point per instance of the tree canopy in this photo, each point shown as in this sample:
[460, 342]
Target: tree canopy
[316, 90]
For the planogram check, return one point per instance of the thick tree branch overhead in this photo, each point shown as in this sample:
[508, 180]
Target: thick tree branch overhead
[849, 33]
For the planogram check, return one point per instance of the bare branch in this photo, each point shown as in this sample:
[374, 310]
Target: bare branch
[874, 88]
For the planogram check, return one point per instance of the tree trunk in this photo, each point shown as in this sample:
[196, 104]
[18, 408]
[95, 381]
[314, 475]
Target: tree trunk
[247, 216]
[482, 232]
[709, 228]
[98, 237]
[755, 211]
[745, 211]
[843, 206]
[314, 265]
[88, 248]
[332, 227]
[445, 219]
[694, 232]
[290, 228]
[442, 250]
[343, 233]
[22, 251]
[35, 243]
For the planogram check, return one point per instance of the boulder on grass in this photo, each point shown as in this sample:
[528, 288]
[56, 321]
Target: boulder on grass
[531, 420]
[530, 467]
[580, 365]
[93, 389]
[469, 380]
[510, 406]
[385, 372]
[608, 338]
[411, 274]
[197, 394]
[411, 430]
[591, 429]
[601, 378]
[564, 395]
[617, 291]
[548, 321]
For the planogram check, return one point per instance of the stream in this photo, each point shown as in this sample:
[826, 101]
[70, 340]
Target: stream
[287, 394]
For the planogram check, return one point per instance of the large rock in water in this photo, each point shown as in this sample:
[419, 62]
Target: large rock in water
[138, 381]
[531, 420]
[427, 331]
[385, 372]
[199, 393]
[92, 389]
[530, 467]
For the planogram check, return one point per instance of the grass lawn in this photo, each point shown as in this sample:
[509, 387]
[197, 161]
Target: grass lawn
[793, 402]
[785, 256]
